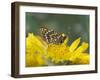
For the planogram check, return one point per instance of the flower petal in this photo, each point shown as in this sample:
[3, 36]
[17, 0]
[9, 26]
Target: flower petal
[34, 51]
[74, 45]
[82, 48]
[65, 41]
[81, 58]
[34, 39]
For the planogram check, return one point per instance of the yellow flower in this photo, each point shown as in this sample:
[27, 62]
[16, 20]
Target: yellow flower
[62, 52]
[38, 52]
[35, 48]
[57, 52]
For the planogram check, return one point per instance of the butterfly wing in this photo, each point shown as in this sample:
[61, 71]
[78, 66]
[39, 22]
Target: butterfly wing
[50, 36]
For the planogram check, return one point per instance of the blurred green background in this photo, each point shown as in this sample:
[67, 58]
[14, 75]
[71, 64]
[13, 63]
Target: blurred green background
[74, 26]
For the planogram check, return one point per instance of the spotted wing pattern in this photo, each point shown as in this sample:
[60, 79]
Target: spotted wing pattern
[50, 36]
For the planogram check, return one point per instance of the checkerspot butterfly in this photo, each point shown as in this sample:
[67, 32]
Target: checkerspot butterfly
[51, 36]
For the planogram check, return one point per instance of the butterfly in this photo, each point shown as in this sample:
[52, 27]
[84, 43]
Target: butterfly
[51, 36]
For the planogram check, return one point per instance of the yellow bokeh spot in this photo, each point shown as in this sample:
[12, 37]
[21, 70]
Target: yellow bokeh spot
[35, 50]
